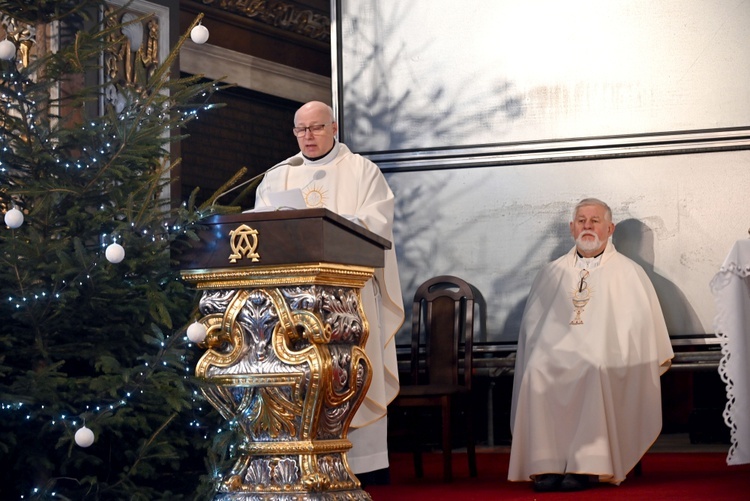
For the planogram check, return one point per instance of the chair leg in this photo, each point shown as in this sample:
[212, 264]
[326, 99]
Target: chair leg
[470, 441]
[447, 442]
[413, 440]
[417, 454]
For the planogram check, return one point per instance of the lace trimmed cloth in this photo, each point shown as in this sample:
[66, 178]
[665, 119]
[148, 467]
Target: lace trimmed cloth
[731, 291]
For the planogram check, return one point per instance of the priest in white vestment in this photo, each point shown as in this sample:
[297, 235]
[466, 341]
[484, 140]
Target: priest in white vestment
[348, 184]
[592, 347]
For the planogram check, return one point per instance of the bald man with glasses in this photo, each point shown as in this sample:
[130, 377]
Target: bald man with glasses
[333, 177]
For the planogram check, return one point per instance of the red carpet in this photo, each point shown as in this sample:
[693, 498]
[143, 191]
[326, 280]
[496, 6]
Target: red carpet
[666, 476]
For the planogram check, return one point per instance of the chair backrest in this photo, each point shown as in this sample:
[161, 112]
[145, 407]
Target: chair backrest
[442, 353]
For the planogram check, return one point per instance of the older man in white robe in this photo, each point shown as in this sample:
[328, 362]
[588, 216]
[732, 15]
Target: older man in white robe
[348, 184]
[592, 347]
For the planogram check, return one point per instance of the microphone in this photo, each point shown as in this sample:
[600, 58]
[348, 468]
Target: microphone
[294, 161]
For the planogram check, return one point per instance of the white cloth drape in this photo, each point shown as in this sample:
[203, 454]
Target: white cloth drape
[731, 290]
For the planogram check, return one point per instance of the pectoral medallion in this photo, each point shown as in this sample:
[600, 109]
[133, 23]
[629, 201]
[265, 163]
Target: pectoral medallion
[580, 295]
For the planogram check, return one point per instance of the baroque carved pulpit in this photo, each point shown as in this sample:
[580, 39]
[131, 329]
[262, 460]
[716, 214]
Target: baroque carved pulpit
[285, 357]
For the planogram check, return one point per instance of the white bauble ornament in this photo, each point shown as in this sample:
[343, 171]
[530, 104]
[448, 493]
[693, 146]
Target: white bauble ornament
[14, 218]
[84, 437]
[115, 253]
[199, 34]
[7, 50]
[196, 332]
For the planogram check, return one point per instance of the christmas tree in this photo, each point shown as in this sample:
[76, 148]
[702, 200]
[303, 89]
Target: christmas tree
[96, 394]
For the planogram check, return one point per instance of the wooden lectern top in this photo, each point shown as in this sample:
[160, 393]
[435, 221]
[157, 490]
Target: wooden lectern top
[283, 237]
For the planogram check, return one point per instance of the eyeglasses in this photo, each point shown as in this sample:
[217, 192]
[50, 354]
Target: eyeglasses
[316, 130]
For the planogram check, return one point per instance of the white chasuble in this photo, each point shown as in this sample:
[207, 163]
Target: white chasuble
[352, 186]
[586, 393]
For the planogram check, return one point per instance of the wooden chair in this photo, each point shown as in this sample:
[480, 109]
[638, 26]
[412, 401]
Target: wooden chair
[441, 363]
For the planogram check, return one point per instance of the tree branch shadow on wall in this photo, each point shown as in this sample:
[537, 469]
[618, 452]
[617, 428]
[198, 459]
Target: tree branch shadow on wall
[420, 239]
[377, 118]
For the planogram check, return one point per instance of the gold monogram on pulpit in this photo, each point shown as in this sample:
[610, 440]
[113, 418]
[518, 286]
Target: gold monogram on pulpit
[244, 243]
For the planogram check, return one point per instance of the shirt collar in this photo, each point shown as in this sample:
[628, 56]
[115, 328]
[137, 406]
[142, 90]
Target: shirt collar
[325, 159]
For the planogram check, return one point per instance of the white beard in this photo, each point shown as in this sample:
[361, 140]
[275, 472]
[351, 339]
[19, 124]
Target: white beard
[588, 245]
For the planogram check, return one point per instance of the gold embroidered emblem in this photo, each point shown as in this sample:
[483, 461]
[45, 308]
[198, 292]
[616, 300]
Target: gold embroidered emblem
[244, 242]
[315, 196]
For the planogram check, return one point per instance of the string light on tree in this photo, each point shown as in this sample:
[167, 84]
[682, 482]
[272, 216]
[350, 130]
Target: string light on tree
[115, 253]
[14, 218]
[199, 34]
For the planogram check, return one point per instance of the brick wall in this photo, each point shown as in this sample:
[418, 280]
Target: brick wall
[252, 130]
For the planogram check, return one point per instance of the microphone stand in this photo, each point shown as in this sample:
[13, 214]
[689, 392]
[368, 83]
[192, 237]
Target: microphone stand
[294, 161]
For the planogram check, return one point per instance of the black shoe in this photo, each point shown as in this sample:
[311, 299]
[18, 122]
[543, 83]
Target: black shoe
[574, 482]
[547, 482]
